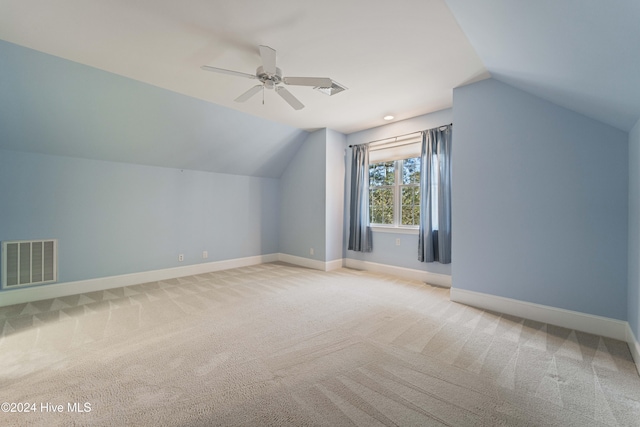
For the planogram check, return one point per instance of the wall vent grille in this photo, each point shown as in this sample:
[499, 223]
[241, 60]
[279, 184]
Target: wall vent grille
[29, 262]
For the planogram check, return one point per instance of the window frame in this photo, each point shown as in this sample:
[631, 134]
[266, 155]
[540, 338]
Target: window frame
[398, 185]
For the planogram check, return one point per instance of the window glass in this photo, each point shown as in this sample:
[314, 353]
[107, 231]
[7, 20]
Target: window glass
[382, 174]
[410, 205]
[410, 200]
[381, 192]
[411, 171]
[394, 192]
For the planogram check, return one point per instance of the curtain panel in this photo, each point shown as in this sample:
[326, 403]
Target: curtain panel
[434, 239]
[360, 238]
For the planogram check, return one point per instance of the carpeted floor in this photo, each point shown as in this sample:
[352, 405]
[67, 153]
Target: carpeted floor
[286, 346]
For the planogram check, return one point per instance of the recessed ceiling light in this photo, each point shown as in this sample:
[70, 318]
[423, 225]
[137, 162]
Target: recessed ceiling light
[388, 117]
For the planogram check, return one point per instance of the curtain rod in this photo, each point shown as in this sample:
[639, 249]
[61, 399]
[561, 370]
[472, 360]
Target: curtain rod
[400, 136]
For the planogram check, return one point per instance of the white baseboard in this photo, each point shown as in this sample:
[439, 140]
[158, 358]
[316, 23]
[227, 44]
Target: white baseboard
[634, 346]
[36, 293]
[55, 290]
[310, 263]
[406, 273]
[598, 325]
[335, 264]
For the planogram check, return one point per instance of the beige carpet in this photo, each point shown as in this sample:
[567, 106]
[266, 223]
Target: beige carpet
[285, 346]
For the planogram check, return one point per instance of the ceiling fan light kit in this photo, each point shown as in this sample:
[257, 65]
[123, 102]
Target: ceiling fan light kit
[270, 77]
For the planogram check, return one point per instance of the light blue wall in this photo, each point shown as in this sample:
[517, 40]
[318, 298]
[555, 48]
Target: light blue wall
[540, 202]
[335, 158]
[302, 209]
[633, 293]
[117, 218]
[385, 250]
[312, 193]
[112, 215]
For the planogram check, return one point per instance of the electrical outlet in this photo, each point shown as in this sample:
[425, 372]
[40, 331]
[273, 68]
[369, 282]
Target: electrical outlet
[397, 242]
[205, 254]
[181, 257]
[311, 251]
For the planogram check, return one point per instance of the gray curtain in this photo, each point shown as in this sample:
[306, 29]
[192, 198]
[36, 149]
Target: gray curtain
[434, 241]
[360, 238]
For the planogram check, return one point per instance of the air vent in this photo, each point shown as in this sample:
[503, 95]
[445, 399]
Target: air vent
[29, 262]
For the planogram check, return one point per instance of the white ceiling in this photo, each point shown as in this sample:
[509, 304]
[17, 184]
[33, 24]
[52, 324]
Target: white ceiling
[402, 57]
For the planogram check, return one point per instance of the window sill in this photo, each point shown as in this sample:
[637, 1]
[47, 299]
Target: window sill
[396, 230]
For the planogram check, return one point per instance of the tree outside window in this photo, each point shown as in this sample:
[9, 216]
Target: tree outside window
[394, 193]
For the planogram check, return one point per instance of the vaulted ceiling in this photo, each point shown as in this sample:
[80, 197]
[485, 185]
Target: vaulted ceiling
[580, 54]
[402, 58]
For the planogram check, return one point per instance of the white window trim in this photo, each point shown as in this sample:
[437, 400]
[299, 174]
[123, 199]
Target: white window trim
[396, 227]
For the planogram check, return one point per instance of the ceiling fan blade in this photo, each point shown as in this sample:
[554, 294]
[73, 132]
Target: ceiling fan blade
[248, 94]
[268, 56]
[291, 100]
[308, 81]
[231, 72]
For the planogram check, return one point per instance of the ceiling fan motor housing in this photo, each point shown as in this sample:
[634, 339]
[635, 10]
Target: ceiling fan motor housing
[269, 80]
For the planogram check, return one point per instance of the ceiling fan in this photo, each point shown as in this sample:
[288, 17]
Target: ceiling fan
[270, 77]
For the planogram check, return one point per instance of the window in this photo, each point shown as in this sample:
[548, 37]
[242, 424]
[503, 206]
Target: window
[394, 193]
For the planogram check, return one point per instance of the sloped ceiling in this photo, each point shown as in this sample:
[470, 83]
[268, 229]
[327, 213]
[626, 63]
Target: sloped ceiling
[402, 57]
[581, 54]
[141, 59]
[53, 106]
